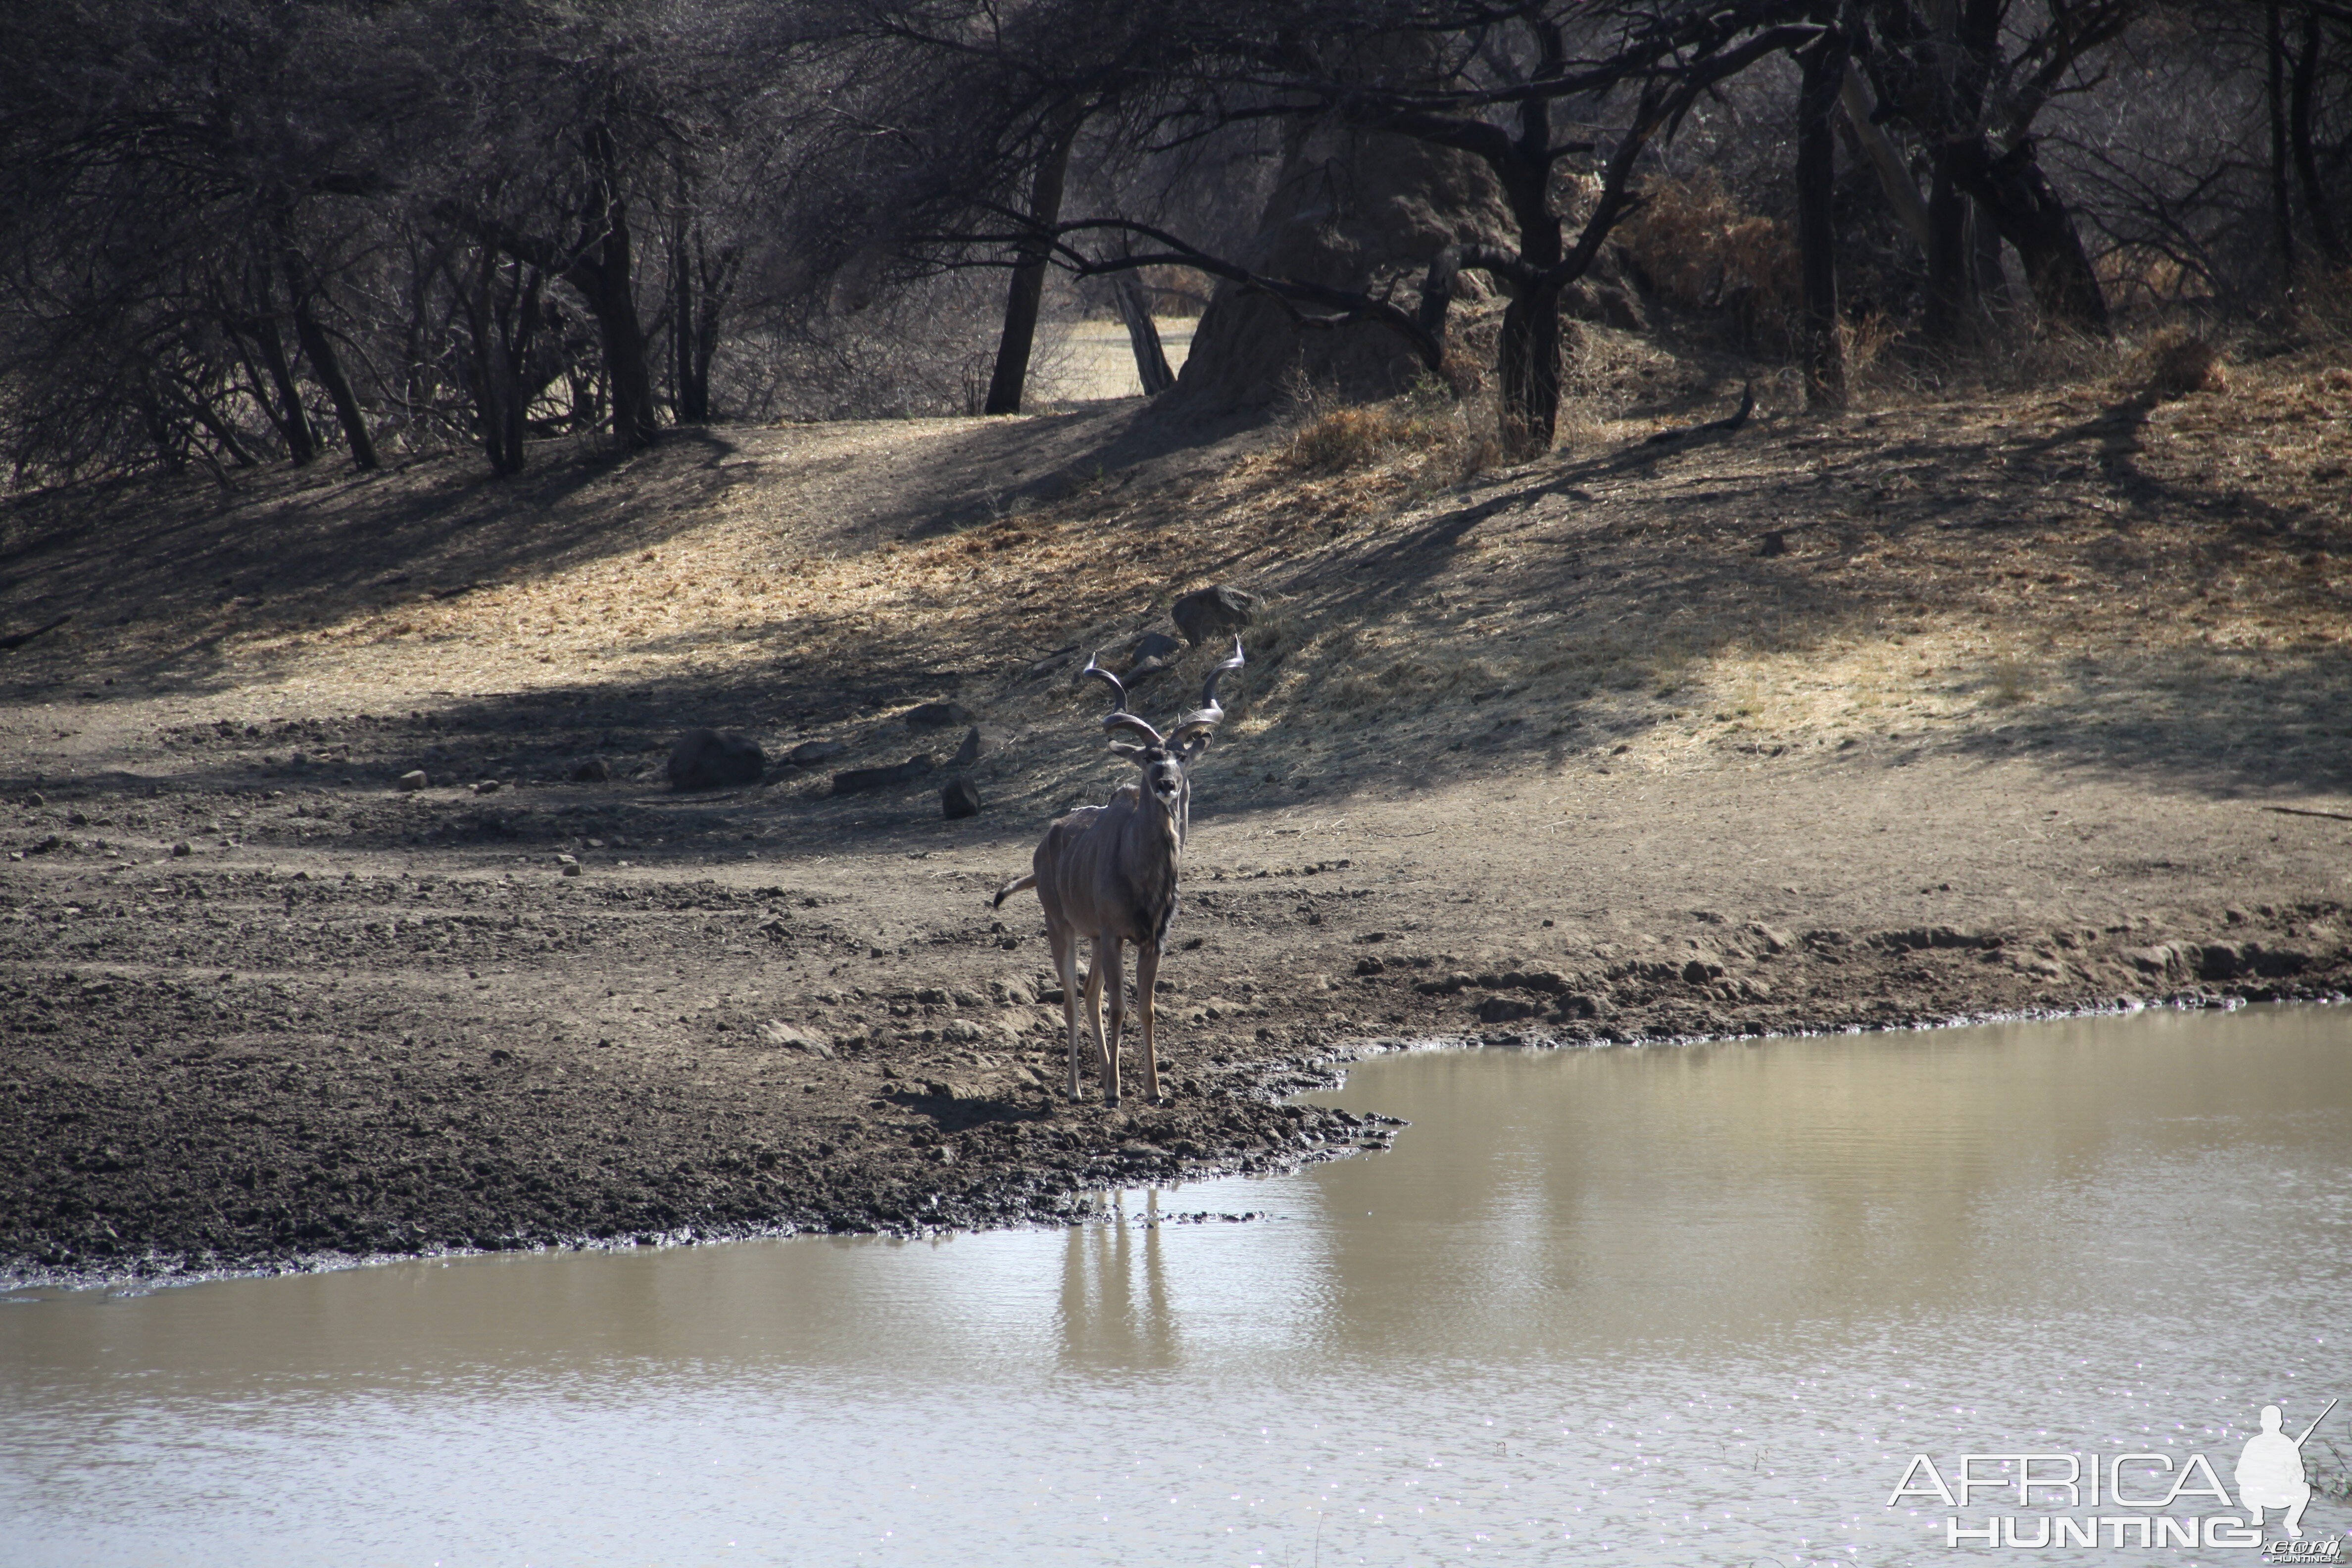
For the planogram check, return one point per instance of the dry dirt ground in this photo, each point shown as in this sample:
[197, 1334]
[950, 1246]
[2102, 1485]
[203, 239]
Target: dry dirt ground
[1979, 706]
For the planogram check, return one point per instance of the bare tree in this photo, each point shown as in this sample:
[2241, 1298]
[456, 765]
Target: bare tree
[1971, 80]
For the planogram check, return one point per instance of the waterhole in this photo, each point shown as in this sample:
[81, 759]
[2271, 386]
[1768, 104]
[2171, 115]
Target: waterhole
[1703, 1304]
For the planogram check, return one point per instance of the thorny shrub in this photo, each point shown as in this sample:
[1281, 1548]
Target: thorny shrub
[1702, 251]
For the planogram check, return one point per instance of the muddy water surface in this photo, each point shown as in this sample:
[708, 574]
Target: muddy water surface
[1688, 1305]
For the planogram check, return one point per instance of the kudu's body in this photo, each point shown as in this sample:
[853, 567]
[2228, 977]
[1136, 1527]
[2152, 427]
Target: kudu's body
[1107, 875]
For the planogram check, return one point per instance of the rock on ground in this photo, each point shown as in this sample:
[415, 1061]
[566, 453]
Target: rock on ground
[1208, 614]
[705, 759]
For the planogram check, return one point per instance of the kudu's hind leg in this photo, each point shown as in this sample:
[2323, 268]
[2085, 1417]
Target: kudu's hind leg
[1147, 976]
[1108, 961]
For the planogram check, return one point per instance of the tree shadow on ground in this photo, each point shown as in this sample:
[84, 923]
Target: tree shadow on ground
[1737, 555]
[1576, 607]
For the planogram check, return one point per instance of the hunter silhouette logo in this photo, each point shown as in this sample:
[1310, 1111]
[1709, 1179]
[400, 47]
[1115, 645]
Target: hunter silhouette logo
[2270, 1470]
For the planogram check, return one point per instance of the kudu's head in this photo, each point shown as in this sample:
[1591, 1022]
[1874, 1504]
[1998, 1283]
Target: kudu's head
[1165, 759]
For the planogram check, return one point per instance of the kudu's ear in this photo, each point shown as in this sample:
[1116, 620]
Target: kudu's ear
[1127, 749]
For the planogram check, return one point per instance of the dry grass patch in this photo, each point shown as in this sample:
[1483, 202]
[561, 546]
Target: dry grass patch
[2069, 564]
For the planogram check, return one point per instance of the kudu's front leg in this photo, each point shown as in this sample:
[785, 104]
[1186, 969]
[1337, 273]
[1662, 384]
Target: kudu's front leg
[1091, 1006]
[1147, 976]
[1109, 963]
[1066, 964]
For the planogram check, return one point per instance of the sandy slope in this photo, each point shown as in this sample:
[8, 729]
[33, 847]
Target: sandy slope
[1998, 704]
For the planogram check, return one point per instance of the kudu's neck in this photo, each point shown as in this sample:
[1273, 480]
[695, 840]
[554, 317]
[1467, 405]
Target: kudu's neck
[1159, 827]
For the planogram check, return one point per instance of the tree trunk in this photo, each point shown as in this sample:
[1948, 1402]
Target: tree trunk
[1969, 33]
[169, 451]
[1984, 248]
[2282, 204]
[253, 375]
[2315, 205]
[1951, 281]
[2030, 216]
[628, 376]
[1528, 353]
[1142, 335]
[502, 335]
[1007, 382]
[705, 345]
[694, 324]
[1817, 96]
[1528, 360]
[1885, 158]
[320, 350]
[606, 276]
[223, 432]
[292, 422]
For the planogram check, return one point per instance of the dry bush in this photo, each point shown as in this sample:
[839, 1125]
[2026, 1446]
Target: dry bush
[1343, 439]
[1175, 291]
[2143, 276]
[2175, 362]
[1866, 341]
[1702, 251]
[1333, 440]
[2325, 306]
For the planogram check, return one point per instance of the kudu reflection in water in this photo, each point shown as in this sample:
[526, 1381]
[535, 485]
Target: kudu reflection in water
[1115, 1311]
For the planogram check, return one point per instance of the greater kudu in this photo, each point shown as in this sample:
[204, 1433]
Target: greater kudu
[1107, 873]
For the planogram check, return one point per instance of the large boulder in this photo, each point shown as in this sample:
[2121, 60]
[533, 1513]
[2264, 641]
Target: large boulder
[705, 759]
[1350, 209]
[1212, 614]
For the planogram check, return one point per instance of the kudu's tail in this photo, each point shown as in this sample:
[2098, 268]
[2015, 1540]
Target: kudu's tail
[1012, 887]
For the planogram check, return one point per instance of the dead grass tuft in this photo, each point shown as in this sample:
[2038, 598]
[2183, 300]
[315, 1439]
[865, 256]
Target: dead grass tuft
[2175, 362]
[2013, 677]
[1867, 342]
[1338, 440]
